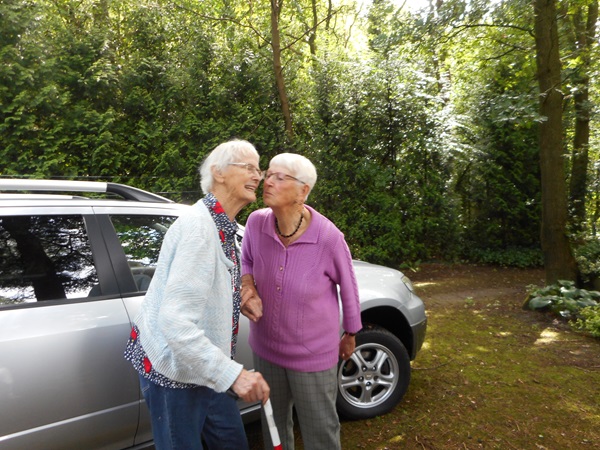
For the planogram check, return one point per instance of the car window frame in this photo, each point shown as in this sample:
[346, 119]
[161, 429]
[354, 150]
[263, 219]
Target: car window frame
[121, 269]
[100, 256]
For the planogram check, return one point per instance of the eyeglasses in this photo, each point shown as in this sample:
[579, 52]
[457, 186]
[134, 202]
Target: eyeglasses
[250, 168]
[280, 177]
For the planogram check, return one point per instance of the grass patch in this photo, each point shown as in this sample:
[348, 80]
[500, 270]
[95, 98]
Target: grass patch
[490, 377]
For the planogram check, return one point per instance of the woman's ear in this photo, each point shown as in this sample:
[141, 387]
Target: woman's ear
[305, 191]
[217, 174]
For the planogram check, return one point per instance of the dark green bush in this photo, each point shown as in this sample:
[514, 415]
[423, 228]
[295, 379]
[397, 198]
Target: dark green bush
[588, 260]
[508, 257]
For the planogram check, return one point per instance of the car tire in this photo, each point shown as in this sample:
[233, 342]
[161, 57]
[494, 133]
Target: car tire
[375, 378]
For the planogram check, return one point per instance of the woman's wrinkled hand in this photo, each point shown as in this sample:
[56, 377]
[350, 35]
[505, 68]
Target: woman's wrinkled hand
[347, 346]
[251, 387]
[251, 306]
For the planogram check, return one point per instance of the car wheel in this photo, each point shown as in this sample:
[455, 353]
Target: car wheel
[375, 378]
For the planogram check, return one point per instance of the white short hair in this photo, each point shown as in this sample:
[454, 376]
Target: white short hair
[299, 166]
[225, 153]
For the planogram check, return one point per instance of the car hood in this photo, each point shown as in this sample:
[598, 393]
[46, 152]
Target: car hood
[379, 282]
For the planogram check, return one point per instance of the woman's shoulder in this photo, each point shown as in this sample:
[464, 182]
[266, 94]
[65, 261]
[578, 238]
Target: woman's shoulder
[194, 219]
[194, 210]
[324, 222]
[260, 214]
[258, 221]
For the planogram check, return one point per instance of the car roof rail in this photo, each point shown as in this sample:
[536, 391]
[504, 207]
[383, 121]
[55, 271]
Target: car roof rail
[126, 192]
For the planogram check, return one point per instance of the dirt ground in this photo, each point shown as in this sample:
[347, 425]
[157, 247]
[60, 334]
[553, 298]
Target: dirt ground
[441, 284]
[448, 286]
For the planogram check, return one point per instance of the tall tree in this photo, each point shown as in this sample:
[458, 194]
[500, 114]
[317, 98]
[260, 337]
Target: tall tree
[276, 6]
[558, 259]
[584, 20]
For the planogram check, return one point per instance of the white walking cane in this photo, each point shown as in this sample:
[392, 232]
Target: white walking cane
[272, 428]
[270, 420]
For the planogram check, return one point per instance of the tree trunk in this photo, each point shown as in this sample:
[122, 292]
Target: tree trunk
[558, 258]
[596, 206]
[312, 35]
[278, 69]
[585, 31]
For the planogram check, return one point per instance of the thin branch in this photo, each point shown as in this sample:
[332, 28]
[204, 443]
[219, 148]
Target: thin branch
[461, 28]
[311, 29]
[224, 19]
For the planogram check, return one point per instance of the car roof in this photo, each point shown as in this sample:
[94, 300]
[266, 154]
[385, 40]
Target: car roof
[34, 187]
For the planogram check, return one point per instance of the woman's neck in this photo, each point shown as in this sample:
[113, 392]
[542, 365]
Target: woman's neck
[231, 206]
[290, 222]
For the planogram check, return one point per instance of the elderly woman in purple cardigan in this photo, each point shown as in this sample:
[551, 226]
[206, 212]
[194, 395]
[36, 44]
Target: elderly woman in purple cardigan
[294, 260]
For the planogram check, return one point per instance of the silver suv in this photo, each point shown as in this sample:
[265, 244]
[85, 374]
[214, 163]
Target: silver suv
[74, 266]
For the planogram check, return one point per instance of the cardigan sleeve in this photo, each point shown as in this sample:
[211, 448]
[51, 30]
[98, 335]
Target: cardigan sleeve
[253, 225]
[348, 286]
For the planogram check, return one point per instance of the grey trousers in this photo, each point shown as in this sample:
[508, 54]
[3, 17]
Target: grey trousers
[313, 395]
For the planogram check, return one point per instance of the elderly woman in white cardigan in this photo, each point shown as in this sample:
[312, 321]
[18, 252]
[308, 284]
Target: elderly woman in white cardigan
[183, 341]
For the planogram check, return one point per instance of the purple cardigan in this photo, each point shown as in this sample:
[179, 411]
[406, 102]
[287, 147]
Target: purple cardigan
[300, 327]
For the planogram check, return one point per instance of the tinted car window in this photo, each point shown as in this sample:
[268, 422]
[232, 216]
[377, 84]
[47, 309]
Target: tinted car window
[44, 258]
[141, 238]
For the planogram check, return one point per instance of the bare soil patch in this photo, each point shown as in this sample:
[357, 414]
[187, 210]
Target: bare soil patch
[441, 285]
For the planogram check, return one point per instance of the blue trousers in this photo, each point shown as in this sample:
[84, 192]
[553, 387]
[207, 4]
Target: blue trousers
[182, 418]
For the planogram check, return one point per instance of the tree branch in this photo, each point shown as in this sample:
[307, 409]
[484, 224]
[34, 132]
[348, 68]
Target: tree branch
[224, 19]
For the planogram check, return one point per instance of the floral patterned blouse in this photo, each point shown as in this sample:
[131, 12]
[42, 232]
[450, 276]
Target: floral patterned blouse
[134, 351]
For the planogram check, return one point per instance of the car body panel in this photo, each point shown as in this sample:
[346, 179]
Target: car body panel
[58, 369]
[383, 287]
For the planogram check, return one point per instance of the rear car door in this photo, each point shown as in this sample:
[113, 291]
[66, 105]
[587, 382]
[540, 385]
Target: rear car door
[133, 236]
[64, 383]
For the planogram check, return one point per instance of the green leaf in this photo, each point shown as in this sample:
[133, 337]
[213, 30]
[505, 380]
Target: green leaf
[539, 302]
[583, 302]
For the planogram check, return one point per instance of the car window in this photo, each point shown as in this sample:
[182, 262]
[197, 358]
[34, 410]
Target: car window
[141, 237]
[45, 258]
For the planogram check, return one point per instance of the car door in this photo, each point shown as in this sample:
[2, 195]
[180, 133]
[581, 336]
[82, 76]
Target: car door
[133, 236]
[63, 381]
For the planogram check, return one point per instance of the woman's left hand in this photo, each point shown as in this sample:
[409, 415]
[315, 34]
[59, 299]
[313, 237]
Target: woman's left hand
[251, 302]
[252, 307]
[347, 346]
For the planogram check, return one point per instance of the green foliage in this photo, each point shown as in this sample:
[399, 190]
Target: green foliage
[498, 177]
[588, 260]
[562, 298]
[521, 257]
[423, 127]
[580, 306]
[381, 175]
[138, 97]
[588, 321]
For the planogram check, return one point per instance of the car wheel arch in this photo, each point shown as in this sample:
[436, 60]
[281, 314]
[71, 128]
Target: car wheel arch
[392, 320]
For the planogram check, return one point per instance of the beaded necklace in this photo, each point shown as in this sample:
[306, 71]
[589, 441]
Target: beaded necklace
[294, 232]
